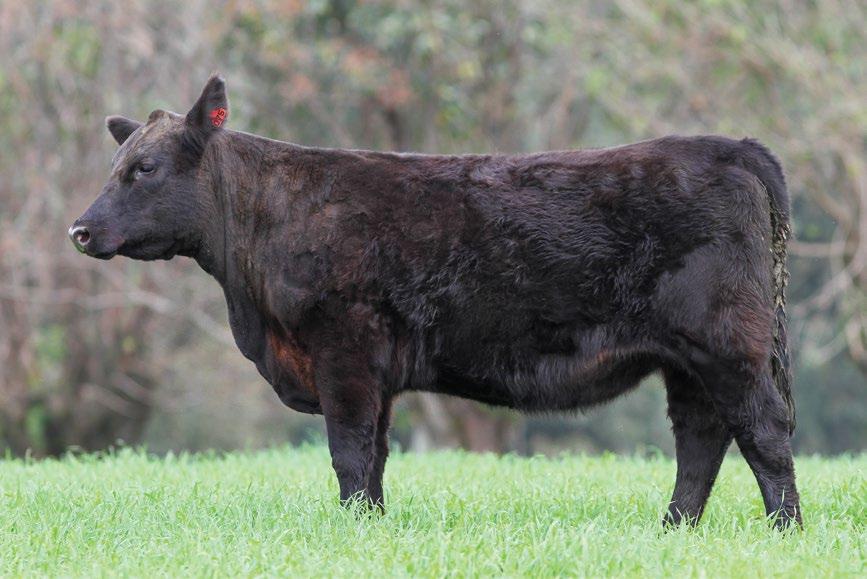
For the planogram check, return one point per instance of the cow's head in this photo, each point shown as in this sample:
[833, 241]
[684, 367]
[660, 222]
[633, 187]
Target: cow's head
[152, 206]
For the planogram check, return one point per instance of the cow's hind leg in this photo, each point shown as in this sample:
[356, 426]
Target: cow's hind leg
[701, 440]
[746, 399]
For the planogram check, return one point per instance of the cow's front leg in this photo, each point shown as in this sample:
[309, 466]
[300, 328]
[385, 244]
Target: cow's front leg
[351, 403]
[351, 442]
[374, 486]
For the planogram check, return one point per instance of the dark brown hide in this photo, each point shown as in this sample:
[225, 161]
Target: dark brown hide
[543, 282]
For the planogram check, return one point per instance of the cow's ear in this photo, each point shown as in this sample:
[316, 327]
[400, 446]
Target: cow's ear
[121, 128]
[212, 109]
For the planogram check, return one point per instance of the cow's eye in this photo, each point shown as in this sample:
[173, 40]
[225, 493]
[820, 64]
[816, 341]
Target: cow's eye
[145, 169]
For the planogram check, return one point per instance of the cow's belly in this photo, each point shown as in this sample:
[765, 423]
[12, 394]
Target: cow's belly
[288, 368]
[555, 382]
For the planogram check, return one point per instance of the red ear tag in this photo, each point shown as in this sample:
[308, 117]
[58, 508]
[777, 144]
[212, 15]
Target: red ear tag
[218, 116]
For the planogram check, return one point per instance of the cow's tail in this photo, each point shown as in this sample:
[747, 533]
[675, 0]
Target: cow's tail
[764, 165]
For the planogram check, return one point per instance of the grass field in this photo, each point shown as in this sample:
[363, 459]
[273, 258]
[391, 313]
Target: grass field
[450, 513]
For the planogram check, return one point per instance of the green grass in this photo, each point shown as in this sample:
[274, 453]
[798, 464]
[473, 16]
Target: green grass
[449, 513]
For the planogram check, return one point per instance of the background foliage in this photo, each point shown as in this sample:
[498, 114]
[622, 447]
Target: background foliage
[92, 352]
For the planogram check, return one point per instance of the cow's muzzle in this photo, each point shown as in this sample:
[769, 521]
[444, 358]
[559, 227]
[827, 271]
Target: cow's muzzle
[94, 241]
[80, 237]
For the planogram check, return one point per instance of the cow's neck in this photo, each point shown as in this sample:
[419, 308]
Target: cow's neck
[227, 180]
[237, 172]
[213, 188]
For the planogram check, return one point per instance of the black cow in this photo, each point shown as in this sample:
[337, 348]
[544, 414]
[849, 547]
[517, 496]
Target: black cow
[551, 281]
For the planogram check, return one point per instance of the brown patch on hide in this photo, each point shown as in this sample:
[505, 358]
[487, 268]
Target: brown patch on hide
[291, 358]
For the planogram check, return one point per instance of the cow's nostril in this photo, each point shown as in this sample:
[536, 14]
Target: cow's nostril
[79, 236]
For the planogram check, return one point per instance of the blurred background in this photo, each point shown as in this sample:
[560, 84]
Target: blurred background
[92, 353]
